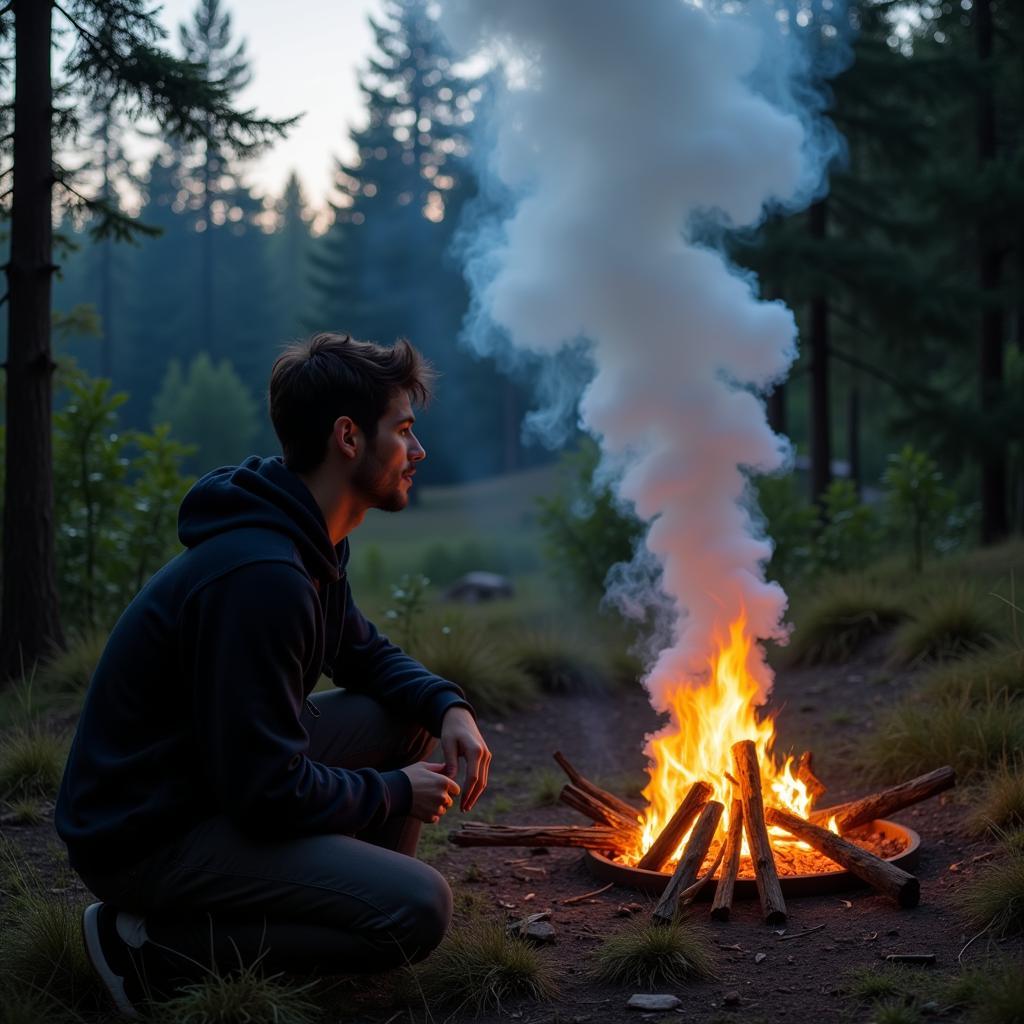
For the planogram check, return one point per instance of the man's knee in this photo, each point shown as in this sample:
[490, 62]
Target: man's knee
[425, 917]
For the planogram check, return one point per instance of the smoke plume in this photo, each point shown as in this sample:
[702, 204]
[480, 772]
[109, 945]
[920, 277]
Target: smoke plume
[620, 128]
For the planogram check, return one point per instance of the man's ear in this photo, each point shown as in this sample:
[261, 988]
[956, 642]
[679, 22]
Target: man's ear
[348, 437]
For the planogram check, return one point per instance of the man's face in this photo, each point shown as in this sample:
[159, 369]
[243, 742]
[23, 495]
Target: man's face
[384, 475]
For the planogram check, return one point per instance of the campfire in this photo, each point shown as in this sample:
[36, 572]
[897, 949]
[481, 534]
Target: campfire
[721, 808]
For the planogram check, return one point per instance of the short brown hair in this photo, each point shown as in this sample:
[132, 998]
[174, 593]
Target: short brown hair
[314, 382]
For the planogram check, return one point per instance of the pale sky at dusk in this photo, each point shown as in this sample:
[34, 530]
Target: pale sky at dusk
[304, 55]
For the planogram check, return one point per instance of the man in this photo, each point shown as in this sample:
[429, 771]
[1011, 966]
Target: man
[222, 814]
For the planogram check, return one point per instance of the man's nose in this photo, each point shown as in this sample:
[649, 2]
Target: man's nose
[417, 453]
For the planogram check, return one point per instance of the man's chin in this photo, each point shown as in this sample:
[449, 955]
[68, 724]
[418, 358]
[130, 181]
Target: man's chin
[394, 502]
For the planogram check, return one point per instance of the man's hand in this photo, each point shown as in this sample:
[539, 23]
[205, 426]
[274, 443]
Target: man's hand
[432, 791]
[460, 738]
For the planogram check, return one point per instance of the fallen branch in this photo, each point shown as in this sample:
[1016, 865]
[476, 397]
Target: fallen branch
[596, 837]
[592, 808]
[661, 850]
[610, 800]
[800, 935]
[585, 895]
[685, 874]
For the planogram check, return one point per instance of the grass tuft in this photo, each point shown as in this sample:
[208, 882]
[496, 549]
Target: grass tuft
[992, 995]
[43, 951]
[646, 954]
[841, 618]
[31, 763]
[546, 788]
[895, 1012]
[1000, 803]
[952, 623]
[977, 677]
[478, 967]
[70, 671]
[914, 737]
[560, 662]
[889, 982]
[482, 666]
[994, 898]
[240, 997]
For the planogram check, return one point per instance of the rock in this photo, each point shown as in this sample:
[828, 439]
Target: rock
[540, 932]
[731, 998]
[628, 909]
[650, 1001]
[930, 1008]
[760, 958]
[476, 587]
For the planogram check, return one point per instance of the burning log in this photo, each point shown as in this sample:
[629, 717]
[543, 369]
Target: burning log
[887, 801]
[689, 864]
[672, 834]
[727, 880]
[595, 810]
[610, 800]
[805, 773]
[748, 773]
[595, 837]
[878, 873]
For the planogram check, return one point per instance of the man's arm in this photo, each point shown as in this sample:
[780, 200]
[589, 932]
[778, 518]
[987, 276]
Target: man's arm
[250, 642]
[368, 662]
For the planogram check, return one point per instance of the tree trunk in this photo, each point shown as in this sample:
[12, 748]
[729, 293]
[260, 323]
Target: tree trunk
[776, 406]
[107, 265]
[206, 332]
[994, 522]
[821, 441]
[30, 625]
[853, 435]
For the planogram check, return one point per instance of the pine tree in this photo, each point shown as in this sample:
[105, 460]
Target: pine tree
[292, 247]
[115, 52]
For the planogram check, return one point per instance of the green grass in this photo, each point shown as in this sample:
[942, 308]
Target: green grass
[31, 763]
[69, 671]
[953, 622]
[433, 841]
[977, 677]
[559, 661]
[483, 666]
[837, 620]
[645, 955]
[917, 735]
[478, 967]
[999, 803]
[993, 994]
[894, 1012]
[241, 997]
[890, 981]
[546, 787]
[994, 898]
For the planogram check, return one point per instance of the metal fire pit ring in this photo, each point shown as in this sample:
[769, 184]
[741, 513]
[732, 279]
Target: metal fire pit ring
[604, 869]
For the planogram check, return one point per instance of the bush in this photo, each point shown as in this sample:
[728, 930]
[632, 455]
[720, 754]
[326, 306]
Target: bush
[478, 967]
[918, 503]
[831, 626]
[482, 666]
[645, 955]
[952, 623]
[70, 671]
[915, 737]
[978, 677]
[993, 994]
[559, 662]
[1000, 802]
[994, 898]
[31, 764]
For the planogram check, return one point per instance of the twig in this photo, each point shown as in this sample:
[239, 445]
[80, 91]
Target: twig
[688, 894]
[6, 7]
[970, 942]
[586, 895]
[800, 935]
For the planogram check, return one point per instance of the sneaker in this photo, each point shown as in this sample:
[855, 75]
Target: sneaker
[112, 959]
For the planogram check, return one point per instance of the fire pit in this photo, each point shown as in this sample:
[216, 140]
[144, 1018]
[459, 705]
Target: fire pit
[653, 883]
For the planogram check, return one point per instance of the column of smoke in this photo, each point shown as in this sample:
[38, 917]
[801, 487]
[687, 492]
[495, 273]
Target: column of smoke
[623, 122]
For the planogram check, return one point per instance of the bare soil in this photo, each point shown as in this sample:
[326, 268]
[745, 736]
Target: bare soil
[799, 977]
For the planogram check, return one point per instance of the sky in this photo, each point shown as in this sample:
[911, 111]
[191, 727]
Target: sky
[305, 56]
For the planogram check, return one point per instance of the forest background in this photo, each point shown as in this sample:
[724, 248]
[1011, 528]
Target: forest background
[178, 284]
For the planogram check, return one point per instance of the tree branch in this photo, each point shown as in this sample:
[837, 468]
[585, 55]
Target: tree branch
[89, 37]
[6, 7]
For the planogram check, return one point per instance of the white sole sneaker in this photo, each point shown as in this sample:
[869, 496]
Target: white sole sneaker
[99, 922]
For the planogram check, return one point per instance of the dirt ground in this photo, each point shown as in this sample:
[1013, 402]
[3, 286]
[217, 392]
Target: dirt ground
[798, 978]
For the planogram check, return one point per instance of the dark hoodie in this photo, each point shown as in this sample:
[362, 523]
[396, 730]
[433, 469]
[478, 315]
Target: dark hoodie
[194, 707]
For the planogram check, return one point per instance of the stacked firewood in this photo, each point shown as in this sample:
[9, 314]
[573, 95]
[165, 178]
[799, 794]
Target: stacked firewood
[616, 830]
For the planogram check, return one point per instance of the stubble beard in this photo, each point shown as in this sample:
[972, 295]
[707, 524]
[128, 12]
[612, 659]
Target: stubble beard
[372, 480]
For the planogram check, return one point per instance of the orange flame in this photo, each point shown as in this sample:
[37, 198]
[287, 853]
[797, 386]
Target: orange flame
[697, 745]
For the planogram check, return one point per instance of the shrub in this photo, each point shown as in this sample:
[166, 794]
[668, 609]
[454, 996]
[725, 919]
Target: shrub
[70, 670]
[979, 676]
[915, 737]
[994, 898]
[917, 501]
[559, 662]
[31, 763]
[952, 623]
[848, 532]
[791, 522]
[478, 967]
[484, 668]
[831, 626]
[646, 954]
[243, 996]
[1000, 803]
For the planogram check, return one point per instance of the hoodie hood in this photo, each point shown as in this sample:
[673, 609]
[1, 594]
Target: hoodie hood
[262, 494]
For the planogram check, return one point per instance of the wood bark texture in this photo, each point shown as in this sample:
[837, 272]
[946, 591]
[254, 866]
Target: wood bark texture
[748, 774]
[887, 878]
[594, 837]
[574, 797]
[672, 834]
[695, 851]
[722, 903]
[580, 781]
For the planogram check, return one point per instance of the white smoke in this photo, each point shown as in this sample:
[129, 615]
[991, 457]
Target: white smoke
[621, 124]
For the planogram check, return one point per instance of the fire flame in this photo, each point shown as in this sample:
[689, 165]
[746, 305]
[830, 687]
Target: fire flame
[697, 745]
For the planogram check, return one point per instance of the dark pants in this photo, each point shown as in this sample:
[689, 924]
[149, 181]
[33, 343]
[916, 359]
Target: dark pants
[330, 904]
